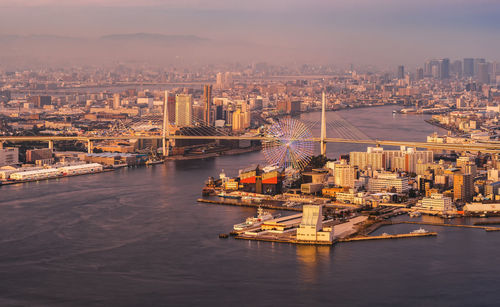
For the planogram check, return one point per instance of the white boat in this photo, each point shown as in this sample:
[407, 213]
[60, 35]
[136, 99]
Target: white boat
[420, 230]
[261, 217]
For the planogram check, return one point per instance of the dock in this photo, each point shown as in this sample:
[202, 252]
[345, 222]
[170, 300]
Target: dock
[245, 204]
[450, 225]
[396, 236]
[283, 240]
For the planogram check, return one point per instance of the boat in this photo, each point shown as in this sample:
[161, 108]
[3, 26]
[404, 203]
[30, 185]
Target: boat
[225, 195]
[415, 214]
[152, 162]
[258, 220]
[420, 230]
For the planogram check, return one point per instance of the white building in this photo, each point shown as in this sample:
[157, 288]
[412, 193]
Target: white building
[387, 181]
[36, 175]
[81, 169]
[311, 227]
[437, 202]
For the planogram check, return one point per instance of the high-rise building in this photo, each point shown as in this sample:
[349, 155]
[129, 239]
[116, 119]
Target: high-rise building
[468, 67]
[444, 69]
[463, 187]
[344, 175]
[219, 81]
[401, 72]
[228, 79]
[373, 158]
[207, 100]
[482, 73]
[116, 101]
[420, 73]
[456, 68]
[183, 109]
[40, 101]
[170, 101]
[477, 61]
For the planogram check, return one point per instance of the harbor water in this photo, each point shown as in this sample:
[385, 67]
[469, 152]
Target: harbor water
[137, 237]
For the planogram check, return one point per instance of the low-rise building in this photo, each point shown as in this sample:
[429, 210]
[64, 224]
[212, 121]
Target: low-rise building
[437, 202]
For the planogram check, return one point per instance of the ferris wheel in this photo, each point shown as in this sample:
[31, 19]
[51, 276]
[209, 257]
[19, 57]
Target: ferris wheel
[290, 144]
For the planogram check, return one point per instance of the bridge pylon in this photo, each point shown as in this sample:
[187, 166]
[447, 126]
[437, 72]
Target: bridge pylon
[323, 124]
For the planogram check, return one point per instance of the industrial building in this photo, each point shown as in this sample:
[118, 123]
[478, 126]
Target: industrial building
[46, 173]
[36, 175]
[257, 180]
[81, 169]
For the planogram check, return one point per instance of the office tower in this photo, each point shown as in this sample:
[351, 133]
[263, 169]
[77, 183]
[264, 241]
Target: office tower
[463, 187]
[183, 109]
[116, 101]
[169, 99]
[468, 67]
[482, 73]
[207, 100]
[238, 120]
[476, 65]
[420, 73]
[401, 72]
[40, 101]
[444, 69]
[228, 79]
[456, 68]
[219, 81]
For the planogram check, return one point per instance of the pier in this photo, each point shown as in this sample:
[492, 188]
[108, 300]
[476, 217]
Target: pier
[396, 236]
[450, 225]
[245, 204]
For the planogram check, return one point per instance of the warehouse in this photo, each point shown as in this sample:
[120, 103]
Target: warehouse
[36, 175]
[81, 169]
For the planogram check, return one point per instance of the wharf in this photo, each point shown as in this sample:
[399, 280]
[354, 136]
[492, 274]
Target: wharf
[487, 223]
[283, 240]
[51, 178]
[252, 205]
[396, 236]
[450, 225]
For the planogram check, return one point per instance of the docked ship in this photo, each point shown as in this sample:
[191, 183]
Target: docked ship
[420, 230]
[225, 195]
[261, 217]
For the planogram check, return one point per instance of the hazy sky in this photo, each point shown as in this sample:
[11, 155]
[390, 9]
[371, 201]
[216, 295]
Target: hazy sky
[382, 32]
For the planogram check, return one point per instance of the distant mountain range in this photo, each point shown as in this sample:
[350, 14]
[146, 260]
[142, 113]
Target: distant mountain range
[154, 37]
[151, 37]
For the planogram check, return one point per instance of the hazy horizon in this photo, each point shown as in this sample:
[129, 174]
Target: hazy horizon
[382, 33]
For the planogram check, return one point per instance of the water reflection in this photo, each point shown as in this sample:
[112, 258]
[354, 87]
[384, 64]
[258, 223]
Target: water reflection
[312, 260]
